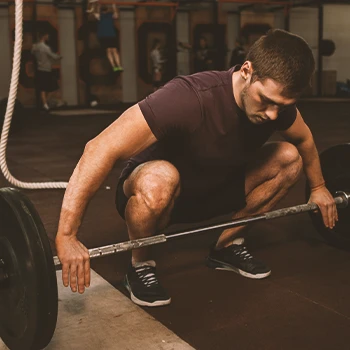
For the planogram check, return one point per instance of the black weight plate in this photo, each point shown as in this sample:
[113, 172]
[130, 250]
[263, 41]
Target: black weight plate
[28, 298]
[335, 163]
[327, 47]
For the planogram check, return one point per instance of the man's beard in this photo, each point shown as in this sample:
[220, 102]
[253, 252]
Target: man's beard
[253, 118]
[243, 99]
[245, 104]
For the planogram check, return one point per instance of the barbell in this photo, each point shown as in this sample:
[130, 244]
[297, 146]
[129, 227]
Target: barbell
[28, 284]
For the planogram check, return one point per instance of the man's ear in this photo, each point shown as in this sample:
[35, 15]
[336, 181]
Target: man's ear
[246, 70]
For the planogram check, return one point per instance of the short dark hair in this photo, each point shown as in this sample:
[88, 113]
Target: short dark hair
[156, 41]
[285, 58]
[240, 41]
[42, 33]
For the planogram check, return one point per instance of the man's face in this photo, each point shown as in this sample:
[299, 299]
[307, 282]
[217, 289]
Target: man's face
[202, 43]
[263, 100]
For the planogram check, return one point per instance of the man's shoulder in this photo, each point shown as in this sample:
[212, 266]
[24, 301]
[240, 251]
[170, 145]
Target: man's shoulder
[207, 80]
[41, 46]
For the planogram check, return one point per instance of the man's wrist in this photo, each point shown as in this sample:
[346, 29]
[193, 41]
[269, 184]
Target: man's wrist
[317, 187]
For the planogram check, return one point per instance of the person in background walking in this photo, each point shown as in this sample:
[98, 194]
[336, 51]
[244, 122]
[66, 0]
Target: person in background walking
[45, 79]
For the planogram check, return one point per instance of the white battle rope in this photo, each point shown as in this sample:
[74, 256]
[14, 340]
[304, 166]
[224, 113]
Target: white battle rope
[10, 107]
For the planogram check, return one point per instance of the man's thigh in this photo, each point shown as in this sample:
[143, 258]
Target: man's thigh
[196, 208]
[265, 163]
[226, 199]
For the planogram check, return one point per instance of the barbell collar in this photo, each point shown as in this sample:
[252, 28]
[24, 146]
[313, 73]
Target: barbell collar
[345, 199]
[341, 200]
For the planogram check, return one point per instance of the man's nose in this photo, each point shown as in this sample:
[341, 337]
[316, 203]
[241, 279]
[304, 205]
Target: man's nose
[272, 112]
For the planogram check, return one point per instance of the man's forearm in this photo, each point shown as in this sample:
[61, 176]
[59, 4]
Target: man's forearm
[84, 183]
[127, 136]
[311, 162]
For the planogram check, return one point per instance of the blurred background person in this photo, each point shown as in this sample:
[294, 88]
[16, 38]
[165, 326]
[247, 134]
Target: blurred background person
[157, 62]
[202, 56]
[45, 78]
[107, 34]
[92, 6]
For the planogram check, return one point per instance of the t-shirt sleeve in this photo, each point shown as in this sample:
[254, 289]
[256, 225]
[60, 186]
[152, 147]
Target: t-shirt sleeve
[286, 118]
[174, 107]
[51, 54]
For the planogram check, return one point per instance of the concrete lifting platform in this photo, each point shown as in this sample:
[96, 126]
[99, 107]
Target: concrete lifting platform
[103, 318]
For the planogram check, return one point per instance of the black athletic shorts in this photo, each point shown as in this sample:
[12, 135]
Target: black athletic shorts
[108, 42]
[46, 81]
[190, 209]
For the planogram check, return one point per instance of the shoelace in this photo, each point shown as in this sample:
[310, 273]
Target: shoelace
[147, 276]
[242, 252]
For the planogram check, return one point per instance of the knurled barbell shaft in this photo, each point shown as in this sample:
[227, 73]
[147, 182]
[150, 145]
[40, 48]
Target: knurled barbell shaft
[120, 247]
[341, 200]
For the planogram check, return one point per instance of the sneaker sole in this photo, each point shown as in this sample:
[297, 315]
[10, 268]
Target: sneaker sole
[218, 265]
[145, 303]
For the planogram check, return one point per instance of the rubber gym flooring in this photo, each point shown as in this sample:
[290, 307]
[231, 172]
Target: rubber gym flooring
[304, 304]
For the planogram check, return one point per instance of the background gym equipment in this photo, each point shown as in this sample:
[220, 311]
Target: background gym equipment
[327, 47]
[28, 286]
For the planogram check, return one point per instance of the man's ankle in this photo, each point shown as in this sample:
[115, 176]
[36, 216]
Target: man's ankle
[137, 264]
[237, 241]
[139, 261]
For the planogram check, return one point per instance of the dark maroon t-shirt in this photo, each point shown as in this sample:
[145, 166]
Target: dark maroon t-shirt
[202, 132]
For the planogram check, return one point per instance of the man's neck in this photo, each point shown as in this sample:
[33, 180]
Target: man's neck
[237, 86]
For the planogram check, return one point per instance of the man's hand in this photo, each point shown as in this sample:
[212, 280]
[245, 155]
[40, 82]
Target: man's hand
[75, 261]
[326, 204]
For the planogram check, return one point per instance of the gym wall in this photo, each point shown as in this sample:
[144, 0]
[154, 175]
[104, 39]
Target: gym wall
[336, 27]
[69, 78]
[182, 35]
[6, 52]
[83, 59]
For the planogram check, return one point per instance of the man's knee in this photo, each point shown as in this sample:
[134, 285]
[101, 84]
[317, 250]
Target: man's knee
[288, 153]
[290, 161]
[155, 183]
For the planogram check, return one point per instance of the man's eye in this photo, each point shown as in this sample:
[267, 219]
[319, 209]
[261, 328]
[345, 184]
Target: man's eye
[282, 108]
